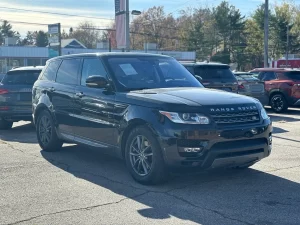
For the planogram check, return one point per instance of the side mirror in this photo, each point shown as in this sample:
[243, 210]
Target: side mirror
[96, 82]
[199, 78]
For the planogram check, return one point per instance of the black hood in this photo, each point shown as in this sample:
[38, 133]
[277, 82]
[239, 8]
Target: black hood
[187, 97]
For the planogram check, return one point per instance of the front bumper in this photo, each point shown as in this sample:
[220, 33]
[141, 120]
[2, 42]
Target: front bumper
[228, 147]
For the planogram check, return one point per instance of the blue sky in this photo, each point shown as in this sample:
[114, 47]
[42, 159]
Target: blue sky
[97, 8]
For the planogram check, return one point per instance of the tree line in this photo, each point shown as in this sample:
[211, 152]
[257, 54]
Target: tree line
[219, 33]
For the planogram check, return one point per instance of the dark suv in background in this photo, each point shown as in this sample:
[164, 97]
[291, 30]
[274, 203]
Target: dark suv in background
[148, 110]
[282, 86]
[214, 75]
[15, 95]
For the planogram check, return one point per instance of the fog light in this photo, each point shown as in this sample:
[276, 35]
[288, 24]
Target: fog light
[192, 149]
[270, 142]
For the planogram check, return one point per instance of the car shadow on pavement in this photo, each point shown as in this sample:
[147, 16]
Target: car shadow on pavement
[24, 133]
[233, 197]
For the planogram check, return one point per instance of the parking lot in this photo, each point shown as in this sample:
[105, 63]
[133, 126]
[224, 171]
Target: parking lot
[82, 186]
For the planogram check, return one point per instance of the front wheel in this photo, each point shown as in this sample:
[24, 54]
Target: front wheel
[5, 125]
[144, 157]
[46, 133]
[279, 103]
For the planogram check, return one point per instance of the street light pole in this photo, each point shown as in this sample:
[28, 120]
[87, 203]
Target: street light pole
[266, 37]
[127, 27]
[287, 46]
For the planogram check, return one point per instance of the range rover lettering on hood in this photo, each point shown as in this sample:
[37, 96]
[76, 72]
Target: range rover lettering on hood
[233, 109]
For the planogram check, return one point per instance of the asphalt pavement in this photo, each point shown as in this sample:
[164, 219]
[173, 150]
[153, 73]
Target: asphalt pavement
[82, 186]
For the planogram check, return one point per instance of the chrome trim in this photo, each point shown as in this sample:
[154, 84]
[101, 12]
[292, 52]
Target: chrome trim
[90, 119]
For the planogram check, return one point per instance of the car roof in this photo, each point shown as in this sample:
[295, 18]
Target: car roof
[243, 73]
[27, 68]
[204, 64]
[274, 69]
[99, 54]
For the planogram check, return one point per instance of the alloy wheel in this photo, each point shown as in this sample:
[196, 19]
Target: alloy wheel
[45, 130]
[141, 155]
[277, 103]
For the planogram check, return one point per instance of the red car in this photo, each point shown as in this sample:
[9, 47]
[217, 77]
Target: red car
[282, 86]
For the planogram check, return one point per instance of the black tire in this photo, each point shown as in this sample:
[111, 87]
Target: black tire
[278, 103]
[158, 172]
[51, 142]
[5, 125]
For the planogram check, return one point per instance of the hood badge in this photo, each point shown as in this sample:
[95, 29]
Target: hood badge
[231, 109]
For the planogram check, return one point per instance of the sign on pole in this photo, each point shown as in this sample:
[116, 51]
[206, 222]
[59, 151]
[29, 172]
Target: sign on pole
[54, 40]
[120, 19]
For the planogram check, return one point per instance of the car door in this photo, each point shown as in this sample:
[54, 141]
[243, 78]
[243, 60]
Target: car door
[269, 78]
[94, 108]
[63, 94]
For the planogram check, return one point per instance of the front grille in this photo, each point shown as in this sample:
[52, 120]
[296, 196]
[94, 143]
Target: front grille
[231, 118]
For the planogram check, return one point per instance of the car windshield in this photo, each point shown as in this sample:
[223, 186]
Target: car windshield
[149, 72]
[21, 77]
[294, 75]
[246, 77]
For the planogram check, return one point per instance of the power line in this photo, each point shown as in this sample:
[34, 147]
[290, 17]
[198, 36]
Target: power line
[61, 14]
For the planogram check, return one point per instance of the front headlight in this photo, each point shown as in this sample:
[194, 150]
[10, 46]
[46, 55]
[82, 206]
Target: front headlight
[187, 118]
[264, 114]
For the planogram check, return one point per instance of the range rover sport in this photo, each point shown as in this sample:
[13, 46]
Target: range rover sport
[148, 110]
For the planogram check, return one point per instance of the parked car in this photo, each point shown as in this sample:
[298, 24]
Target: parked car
[282, 86]
[214, 75]
[251, 86]
[155, 119]
[16, 96]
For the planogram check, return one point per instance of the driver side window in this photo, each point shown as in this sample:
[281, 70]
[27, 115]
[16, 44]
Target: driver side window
[92, 67]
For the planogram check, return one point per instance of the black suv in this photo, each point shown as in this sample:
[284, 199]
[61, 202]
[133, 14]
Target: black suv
[15, 95]
[149, 110]
[214, 75]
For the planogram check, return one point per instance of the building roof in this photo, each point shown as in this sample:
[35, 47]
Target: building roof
[71, 43]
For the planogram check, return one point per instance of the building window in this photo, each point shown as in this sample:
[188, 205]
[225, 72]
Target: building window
[15, 62]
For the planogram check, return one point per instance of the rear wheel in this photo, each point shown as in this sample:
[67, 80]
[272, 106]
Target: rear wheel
[144, 157]
[46, 133]
[5, 125]
[278, 103]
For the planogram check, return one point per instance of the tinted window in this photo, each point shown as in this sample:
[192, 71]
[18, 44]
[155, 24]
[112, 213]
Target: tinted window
[190, 68]
[21, 77]
[294, 75]
[146, 72]
[246, 77]
[67, 72]
[267, 76]
[50, 72]
[215, 73]
[92, 67]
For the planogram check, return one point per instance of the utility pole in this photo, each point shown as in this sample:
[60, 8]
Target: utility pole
[266, 37]
[287, 46]
[127, 13]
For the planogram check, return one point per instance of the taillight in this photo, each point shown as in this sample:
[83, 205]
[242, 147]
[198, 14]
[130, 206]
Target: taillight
[4, 108]
[3, 91]
[241, 87]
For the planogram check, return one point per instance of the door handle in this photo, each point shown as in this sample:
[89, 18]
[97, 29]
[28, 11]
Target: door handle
[271, 84]
[79, 94]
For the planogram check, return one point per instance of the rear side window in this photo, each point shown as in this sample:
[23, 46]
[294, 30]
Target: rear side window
[294, 75]
[25, 77]
[68, 71]
[50, 72]
[267, 76]
[215, 73]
